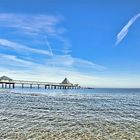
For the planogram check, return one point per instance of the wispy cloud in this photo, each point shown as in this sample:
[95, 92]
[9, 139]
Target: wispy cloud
[49, 46]
[15, 61]
[57, 74]
[22, 48]
[81, 63]
[39, 71]
[39, 62]
[37, 27]
[121, 35]
[65, 62]
[74, 63]
[32, 24]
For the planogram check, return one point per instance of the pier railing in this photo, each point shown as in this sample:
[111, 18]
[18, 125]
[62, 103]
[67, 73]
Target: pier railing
[47, 85]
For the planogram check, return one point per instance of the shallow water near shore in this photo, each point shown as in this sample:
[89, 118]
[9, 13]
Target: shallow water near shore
[97, 114]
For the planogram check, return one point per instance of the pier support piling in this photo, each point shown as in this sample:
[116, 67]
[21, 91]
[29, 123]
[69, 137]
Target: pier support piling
[5, 85]
[13, 85]
[2, 85]
[30, 85]
[38, 86]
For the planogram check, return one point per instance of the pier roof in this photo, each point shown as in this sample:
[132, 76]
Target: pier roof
[5, 78]
[66, 81]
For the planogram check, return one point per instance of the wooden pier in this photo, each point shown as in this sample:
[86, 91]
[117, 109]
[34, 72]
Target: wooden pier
[6, 82]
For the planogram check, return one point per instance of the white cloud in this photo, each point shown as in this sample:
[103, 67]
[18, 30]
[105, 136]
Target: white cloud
[121, 35]
[22, 48]
[49, 46]
[39, 72]
[37, 27]
[49, 74]
[13, 62]
[54, 60]
[33, 71]
[88, 64]
[31, 24]
[55, 66]
[74, 63]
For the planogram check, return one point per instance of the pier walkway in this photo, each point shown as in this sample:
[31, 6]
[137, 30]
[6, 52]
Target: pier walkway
[6, 82]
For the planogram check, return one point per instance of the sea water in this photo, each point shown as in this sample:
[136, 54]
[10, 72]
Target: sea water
[81, 114]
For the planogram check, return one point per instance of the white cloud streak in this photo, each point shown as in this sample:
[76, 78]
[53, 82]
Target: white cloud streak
[121, 35]
[6, 59]
[57, 61]
[37, 26]
[22, 48]
[49, 46]
[31, 24]
[64, 64]
[40, 72]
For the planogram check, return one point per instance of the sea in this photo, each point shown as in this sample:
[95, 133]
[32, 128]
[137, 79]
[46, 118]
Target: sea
[70, 114]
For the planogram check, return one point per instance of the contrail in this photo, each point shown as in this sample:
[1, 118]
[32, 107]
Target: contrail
[121, 35]
[49, 46]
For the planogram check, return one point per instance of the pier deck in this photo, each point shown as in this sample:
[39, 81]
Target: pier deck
[6, 82]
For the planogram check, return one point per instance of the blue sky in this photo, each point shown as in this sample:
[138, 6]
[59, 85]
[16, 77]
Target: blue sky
[92, 42]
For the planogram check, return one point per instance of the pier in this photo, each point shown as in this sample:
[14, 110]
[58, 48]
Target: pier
[6, 82]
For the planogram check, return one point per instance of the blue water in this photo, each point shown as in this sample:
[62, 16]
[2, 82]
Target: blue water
[120, 91]
[84, 114]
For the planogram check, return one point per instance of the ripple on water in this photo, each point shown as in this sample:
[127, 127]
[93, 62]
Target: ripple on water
[69, 117]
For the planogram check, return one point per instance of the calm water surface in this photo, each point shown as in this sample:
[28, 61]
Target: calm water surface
[98, 114]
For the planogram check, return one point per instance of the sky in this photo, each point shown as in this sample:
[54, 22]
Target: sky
[91, 42]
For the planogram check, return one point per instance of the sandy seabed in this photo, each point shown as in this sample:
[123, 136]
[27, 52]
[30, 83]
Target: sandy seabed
[81, 133]
[69, 117]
